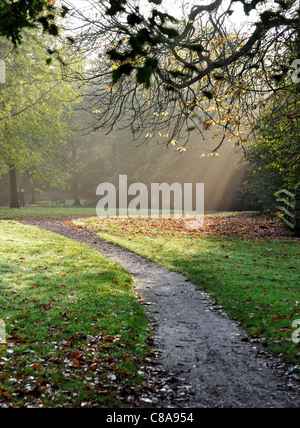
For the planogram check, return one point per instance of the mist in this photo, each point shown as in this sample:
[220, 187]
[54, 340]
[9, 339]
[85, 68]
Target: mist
[117, 154]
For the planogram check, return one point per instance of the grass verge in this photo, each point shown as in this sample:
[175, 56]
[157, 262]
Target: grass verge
[255, 280]
[75, 331]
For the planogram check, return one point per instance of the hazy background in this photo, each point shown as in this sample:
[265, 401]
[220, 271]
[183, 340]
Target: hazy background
[93, 157]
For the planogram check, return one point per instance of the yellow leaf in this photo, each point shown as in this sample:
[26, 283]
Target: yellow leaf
[207, 125]
[109, 89]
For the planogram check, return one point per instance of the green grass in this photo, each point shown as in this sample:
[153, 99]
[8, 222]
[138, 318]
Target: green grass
[76, 332]
[255, 280]
[45, 212]
[44, 209]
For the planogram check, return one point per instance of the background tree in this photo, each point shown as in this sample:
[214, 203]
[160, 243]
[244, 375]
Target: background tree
[273, 151]
[274, 156]
[34, 102]
[16, 15]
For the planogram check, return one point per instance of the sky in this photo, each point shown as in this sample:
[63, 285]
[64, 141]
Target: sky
[174, 7]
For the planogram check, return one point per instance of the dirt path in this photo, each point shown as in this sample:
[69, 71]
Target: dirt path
[204, 359]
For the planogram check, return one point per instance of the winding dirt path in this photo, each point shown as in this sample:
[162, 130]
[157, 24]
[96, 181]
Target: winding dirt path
[204, 359]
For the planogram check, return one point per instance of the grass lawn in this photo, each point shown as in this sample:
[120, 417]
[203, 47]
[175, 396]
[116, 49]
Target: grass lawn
[45, 212]
[254, 278]
[76, 334]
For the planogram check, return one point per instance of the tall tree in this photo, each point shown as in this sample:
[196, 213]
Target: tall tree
[274, 156]
[34, 101]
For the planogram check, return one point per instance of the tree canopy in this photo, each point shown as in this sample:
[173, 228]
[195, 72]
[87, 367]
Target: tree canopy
[274, 159]
[35, 102]
[17, 15]
[140, 41]
[163, 76]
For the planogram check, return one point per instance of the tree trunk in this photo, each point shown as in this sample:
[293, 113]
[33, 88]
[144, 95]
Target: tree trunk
[75, 186]
[33, 196]
[76, 194]
[13, 188]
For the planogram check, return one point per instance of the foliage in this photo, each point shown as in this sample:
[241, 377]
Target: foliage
[196, 68]
[36, 101]
[160, 73]
[259, 189]
[274, 156]
[163, 76]
[278, 147]
[146, 35]
[248, 264]
[75, 330]
[16, 15]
